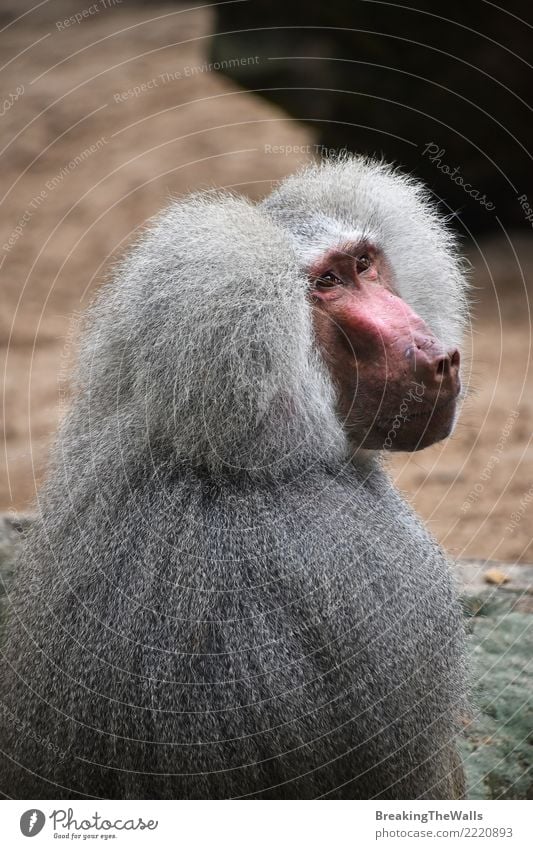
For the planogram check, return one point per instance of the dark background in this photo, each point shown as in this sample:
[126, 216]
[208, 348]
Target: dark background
[385, 78]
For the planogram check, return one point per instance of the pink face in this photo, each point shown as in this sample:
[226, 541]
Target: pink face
[397, 384]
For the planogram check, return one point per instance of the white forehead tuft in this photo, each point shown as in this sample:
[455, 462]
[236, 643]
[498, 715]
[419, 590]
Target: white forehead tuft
[321, 234]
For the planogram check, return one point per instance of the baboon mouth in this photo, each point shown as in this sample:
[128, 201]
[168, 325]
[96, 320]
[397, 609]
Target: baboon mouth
[420, 414]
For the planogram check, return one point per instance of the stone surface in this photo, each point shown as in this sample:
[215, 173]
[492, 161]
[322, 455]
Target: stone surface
[498, 744]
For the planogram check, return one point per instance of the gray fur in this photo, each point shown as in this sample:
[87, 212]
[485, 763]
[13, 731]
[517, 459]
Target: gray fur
[324, 204]
[219, 600]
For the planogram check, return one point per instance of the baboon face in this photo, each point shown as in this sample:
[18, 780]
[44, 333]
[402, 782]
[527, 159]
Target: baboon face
[397, 384]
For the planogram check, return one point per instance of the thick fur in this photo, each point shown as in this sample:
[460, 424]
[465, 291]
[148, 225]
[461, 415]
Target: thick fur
[355, 197]
[219, 600]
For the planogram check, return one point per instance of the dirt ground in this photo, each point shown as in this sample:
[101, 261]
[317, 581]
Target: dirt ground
[87, 159]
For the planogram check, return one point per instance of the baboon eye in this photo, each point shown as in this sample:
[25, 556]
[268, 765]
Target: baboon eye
[363, 263]
[327, 280]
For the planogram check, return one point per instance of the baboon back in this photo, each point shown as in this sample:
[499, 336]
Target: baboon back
[237, 640]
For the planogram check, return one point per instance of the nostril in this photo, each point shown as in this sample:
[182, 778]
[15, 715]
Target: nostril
[455, 358]
[443, 366]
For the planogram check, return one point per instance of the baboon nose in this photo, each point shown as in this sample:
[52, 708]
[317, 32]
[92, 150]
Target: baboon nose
[437, 369]
[446, 364]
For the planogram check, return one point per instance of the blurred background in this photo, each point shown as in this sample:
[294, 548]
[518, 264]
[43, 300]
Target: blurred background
[111, 108]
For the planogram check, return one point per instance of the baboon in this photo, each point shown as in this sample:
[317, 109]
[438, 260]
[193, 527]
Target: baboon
[223, 595]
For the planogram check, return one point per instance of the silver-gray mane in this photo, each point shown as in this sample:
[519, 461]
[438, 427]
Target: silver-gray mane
[203, 346]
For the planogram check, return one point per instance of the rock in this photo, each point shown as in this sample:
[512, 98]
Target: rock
[496, 576]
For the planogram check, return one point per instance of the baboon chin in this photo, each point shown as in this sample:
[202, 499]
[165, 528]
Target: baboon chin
[228, 597]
